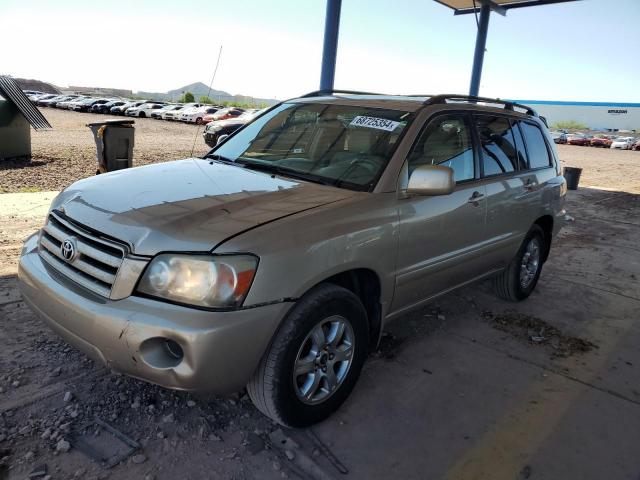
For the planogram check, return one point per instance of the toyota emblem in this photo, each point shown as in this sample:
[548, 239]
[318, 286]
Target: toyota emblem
[68, 249]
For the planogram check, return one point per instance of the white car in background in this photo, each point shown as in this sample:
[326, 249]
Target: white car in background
[196, 115]
[167, 108]
[623, 143]
[175, 114]
[144, 110]
[76, 101]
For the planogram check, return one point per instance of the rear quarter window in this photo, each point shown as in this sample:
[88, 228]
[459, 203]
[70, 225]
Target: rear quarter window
[536, 146]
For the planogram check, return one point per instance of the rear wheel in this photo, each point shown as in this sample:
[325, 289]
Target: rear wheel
[314, 360]
[520, 277]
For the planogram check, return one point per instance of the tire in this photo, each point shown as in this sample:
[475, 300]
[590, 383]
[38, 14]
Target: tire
[198, 121]
[274, 389]
[510, 284]
[142, 115]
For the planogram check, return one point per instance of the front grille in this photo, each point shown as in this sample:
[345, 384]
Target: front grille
[96, 261]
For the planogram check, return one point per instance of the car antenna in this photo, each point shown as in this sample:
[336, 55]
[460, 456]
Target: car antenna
[215, 70]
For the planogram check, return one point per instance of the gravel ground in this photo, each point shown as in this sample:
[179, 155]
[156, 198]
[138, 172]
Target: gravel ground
[68, 153]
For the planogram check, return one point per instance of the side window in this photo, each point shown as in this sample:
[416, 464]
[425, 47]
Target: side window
[536, 146]
[521, 151]
[497, 145]
[446, 141]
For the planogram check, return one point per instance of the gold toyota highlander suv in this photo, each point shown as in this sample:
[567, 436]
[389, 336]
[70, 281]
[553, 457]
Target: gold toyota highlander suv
[275, 261]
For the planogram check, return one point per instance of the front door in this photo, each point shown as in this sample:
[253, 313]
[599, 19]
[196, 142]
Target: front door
[440, 236]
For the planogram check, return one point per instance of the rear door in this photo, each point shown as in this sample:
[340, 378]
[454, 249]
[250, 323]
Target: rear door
[440, 236]
[540, 170]
[512, 189]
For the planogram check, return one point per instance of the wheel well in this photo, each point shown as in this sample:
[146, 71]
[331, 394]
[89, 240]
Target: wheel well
[365, 284]
[546, 223]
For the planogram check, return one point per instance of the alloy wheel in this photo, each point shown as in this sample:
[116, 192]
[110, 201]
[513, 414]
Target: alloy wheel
[323, 360]
[530, 263]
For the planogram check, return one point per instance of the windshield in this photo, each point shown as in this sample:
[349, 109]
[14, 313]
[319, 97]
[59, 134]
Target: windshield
[345, 146]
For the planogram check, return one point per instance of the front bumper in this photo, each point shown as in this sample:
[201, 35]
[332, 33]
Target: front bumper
[210, 138]
[220, 349]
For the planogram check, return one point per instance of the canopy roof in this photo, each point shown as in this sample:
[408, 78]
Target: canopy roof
[469, 6]
[11, 91]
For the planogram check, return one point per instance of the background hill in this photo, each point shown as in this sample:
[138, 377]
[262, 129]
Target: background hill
[31, 84]
[199, 89]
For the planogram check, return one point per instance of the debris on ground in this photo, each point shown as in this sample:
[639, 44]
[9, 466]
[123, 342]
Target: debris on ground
[536, 331]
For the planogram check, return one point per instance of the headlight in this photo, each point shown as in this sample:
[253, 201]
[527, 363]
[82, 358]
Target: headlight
[214, 281]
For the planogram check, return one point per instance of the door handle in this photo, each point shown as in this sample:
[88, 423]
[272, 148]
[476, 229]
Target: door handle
[475, 197]
[530, 185]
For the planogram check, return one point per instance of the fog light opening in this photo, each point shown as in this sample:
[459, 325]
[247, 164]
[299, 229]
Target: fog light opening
[161, 352]
[173, 349]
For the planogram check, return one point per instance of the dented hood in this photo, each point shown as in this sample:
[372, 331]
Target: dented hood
[186, 205]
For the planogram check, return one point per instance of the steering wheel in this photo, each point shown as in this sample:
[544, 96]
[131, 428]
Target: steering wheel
[368, 163]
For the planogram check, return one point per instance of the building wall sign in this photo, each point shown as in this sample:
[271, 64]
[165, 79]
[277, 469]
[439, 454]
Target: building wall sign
[617, 112]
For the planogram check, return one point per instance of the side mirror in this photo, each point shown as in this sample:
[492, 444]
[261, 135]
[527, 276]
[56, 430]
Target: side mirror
[221, 139]
[431, 180]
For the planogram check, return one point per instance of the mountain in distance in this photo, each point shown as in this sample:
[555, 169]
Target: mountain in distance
[199, 89]
[37, 85]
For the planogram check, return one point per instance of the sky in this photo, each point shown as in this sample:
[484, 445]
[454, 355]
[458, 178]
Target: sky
[585, 50]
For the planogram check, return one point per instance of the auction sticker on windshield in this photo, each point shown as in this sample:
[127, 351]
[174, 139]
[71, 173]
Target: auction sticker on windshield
[373, 122]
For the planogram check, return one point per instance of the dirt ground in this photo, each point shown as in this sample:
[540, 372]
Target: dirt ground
[68, 153]
[470, 387]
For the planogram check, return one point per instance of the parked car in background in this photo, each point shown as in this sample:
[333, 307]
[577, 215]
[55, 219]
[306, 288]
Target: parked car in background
[623, 143]
[167, 108]
[144, 110]
[106, 107]
[38, 98]
[578, 139]
[601, 141]
[277, 260]
[174, 115]
[214, 130]
[43, 101]
[196, 115]
[71, 104]
[120, 110]
[559, 137]
[89, 103]
[223, 114]
[35, 96]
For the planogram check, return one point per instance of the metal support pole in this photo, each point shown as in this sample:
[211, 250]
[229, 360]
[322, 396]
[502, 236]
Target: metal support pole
[478, 56]
[330, 47]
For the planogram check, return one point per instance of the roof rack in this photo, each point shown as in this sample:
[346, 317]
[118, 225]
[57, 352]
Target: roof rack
[434, 99]
[472, 99]
[330, 91]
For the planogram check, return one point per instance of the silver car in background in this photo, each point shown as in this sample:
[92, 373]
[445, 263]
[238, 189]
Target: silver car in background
[275, 261]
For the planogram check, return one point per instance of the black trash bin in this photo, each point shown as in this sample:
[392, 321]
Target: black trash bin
[572, 175]
[114, 142]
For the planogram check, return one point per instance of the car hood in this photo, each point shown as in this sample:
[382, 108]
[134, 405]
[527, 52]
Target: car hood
[186, 205]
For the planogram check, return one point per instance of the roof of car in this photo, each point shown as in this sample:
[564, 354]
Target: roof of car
[392, 102]
[412, 103]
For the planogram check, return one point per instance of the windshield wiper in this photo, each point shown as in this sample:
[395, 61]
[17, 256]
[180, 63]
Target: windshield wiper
[285, 172]
[220, 158]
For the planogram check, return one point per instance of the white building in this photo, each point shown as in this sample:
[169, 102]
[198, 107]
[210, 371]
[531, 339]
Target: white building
[596, 115]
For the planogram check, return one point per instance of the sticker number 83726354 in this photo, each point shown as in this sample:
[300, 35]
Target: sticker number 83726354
[373, 122]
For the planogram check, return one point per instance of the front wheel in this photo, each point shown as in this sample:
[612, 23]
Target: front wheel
[520, 277]
[314, 360]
